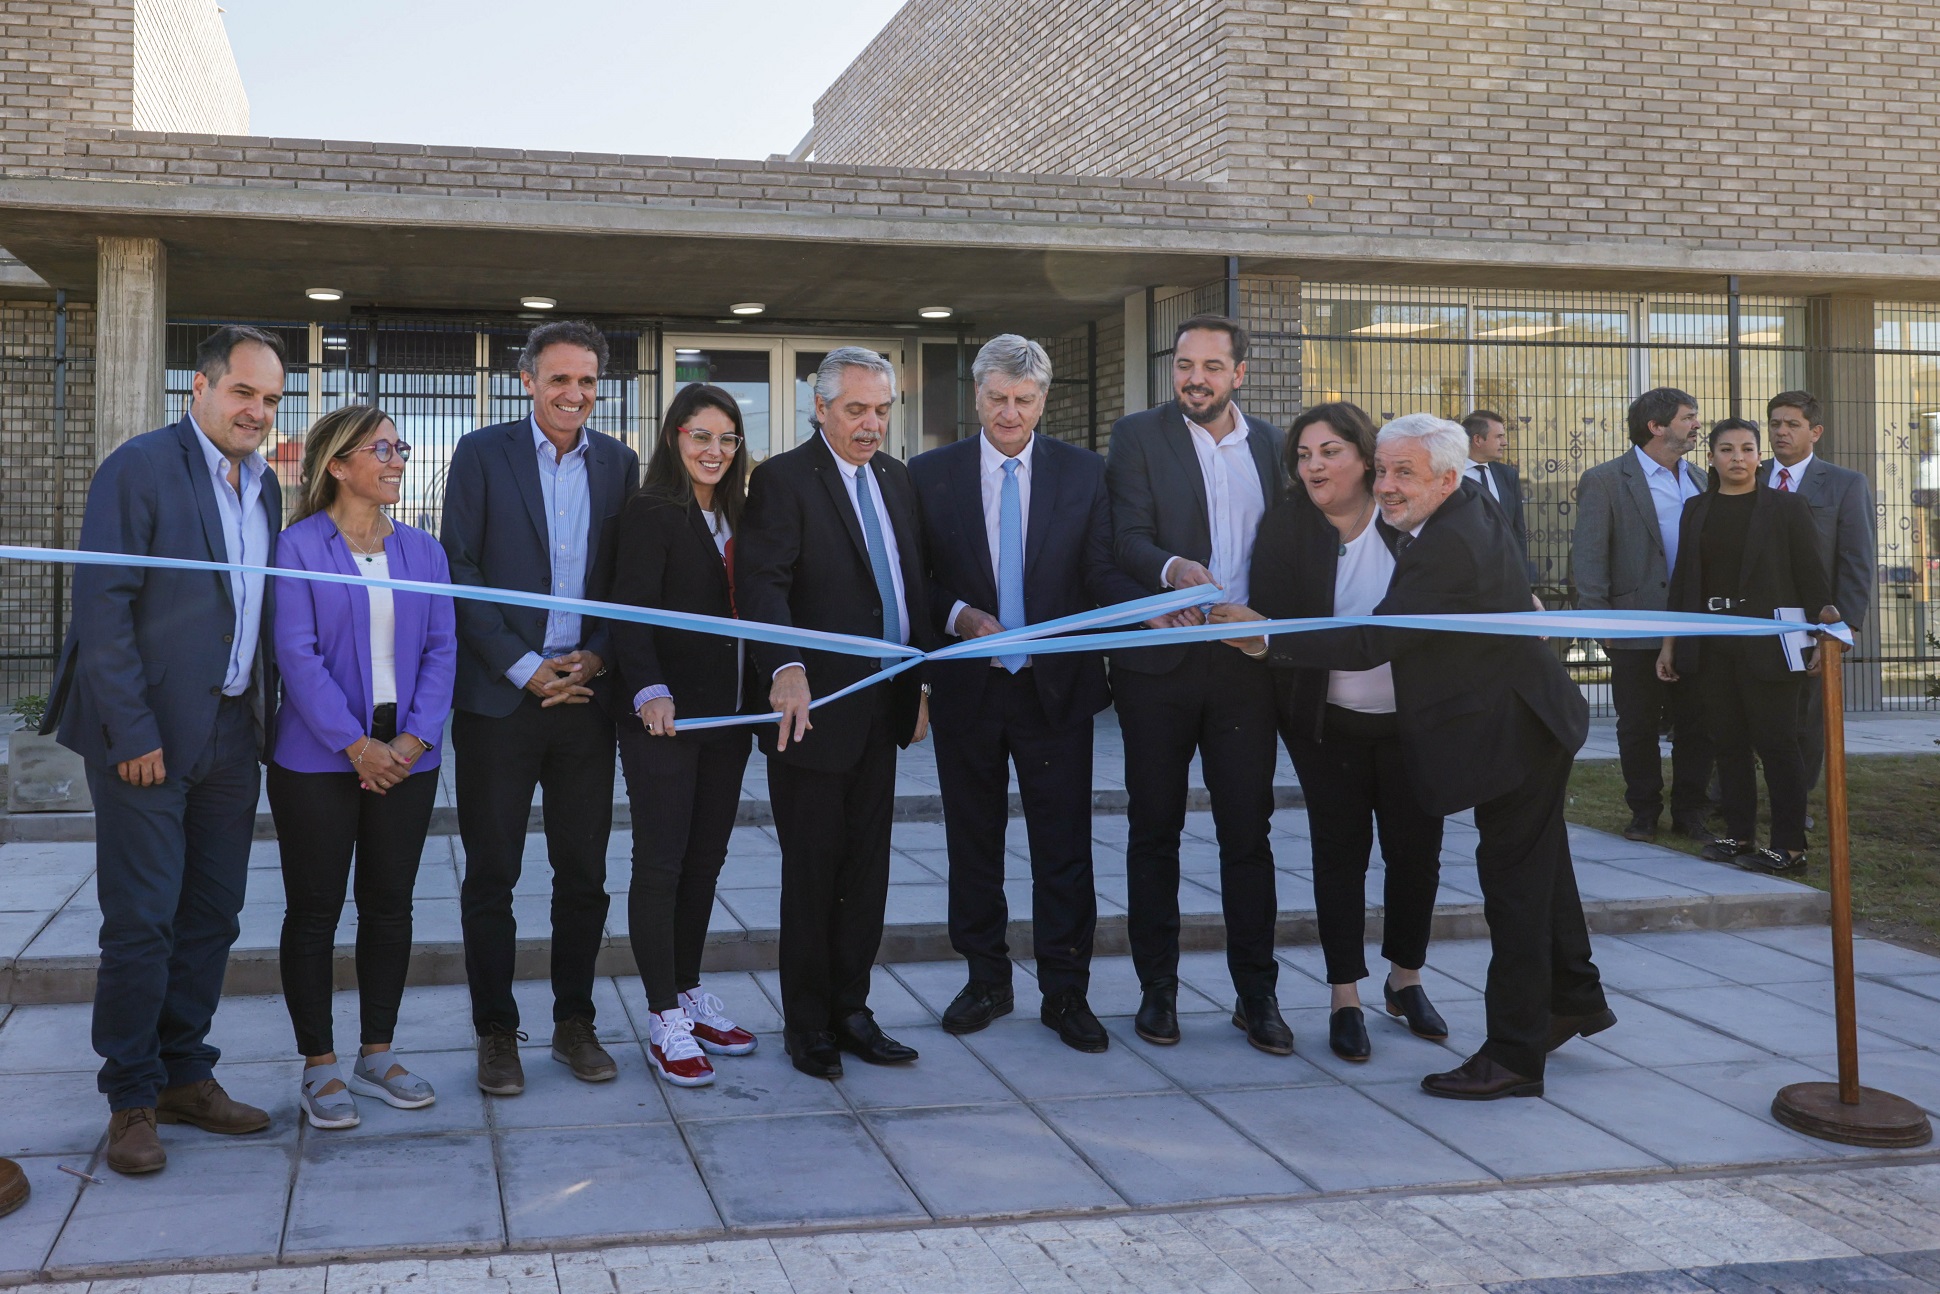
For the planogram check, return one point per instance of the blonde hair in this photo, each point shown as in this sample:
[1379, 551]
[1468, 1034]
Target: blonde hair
[335, 434]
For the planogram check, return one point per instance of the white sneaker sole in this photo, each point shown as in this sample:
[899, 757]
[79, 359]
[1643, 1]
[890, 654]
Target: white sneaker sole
[378, 1092]
[318, 1121]
[741, 1049]
[678, 1081]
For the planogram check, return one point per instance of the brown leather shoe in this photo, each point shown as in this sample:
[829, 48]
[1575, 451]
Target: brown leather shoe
[576, 1046]
[499, 1070]
[14, 1189]
[1480, 1079]
[133, 1146]
[206, 1106]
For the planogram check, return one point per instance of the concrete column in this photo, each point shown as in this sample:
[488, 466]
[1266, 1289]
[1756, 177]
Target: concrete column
[1840, 370]
[1138, 354]
[131, 300]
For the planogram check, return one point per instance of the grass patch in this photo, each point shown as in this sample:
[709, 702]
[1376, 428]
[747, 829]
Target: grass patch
[1894, 807]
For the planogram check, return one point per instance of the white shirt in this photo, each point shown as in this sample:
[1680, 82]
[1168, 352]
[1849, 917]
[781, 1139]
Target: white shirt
[383, 629]
[567, 491]
[1361, 579]
[1797, 470]
[1235, 502]
[1669, 488]
[1480, 473]
[990, 482]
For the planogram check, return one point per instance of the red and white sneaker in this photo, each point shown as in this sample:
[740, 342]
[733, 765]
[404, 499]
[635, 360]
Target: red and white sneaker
[712, 1029]
[673, 1051]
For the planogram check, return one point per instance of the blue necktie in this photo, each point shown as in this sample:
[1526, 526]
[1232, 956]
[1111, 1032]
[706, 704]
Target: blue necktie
[1010, 560]
[892, 622]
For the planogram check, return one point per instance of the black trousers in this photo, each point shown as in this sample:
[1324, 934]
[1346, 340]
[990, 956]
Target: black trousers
[567, 750]
[1812, 728]
[1220, 704]
[323, 821]
[973, 759]
[1539, 961]
[1356, 782]
[834, 833]
[171, 862]
[684, 792]
[1750, 715]
[1643, 702]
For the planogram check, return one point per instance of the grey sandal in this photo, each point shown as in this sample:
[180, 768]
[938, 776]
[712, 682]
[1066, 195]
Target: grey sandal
[327, 1110]
[405, 1092]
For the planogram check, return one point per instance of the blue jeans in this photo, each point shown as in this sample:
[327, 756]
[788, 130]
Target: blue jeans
[171, 864]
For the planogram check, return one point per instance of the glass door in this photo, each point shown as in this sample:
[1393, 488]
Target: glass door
[747, 368]
[805, 355]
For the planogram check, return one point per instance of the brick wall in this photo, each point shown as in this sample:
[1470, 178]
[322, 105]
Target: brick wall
[185, 75]
[61, 66]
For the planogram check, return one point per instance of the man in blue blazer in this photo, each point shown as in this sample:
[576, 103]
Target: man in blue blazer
[1017, 528]
[165, 687]
[533, 505]
[1488, 442]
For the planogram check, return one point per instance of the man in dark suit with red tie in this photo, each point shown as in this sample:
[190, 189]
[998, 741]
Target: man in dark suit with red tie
[1018, 531]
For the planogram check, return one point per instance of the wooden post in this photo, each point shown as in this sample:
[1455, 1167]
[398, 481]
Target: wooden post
[1845, 1111]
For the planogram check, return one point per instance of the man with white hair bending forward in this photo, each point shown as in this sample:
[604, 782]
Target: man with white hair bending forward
[1487, 722]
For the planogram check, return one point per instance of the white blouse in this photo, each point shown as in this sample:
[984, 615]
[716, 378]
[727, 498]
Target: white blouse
[1360, 582]
[383, 630]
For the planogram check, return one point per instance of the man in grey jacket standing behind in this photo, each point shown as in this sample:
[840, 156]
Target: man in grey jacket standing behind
[1625, 548]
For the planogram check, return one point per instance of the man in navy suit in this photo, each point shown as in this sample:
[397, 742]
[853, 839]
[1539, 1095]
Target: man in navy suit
[1488, 442]
[533, 505]
[165, 687]
[1017, 528]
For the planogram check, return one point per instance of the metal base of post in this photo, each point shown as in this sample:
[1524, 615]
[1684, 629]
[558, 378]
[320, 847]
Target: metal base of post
[1879, 1119]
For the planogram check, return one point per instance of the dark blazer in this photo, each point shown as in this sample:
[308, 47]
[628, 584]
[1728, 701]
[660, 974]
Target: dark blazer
[1295, 557]
[1782, 568]
[666, 558]
[801, 560]
[1456, 694]
[1068, 568]
[1842, 511]
[1158, 504]
[1508, 486]
[147, 650]
[494, 534]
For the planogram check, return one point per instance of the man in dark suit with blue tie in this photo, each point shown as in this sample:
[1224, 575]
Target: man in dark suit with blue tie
[1488, 442]
[534, 505]
[165, 688]
[1020, 525]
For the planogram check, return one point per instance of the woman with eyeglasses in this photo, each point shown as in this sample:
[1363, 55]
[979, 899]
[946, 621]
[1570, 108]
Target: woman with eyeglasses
[367, 678]
[676, 552]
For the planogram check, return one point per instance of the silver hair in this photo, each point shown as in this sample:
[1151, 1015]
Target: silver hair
[828, 378]
[1018, 358]
[1445, 441]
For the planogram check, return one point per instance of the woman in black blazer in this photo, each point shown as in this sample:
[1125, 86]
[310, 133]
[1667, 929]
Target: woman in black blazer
[1746, 549]
[676, 552]
[1320, 549]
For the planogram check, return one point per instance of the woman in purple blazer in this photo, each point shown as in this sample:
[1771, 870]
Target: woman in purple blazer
[367, 684]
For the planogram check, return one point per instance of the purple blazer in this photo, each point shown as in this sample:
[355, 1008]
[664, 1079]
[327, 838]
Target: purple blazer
[323, 647]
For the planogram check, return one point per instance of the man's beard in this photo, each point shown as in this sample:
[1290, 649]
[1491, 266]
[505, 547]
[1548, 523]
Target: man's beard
[1212, 413]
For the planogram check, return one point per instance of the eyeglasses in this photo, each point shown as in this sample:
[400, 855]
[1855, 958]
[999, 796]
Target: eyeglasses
[382, 449]
[705, 440]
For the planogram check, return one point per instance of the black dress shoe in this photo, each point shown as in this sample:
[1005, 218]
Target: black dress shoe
[976, 1006]
[1347, 1034]
[1726, 849]
[860, 1035]
[1412, 1004]
[1564, 1027]
[1260, 1018]
[1773, 862]
[813, 1053]
[1480, 1079]
[1158, 1015]
[1643, 826]
[1070, 1015]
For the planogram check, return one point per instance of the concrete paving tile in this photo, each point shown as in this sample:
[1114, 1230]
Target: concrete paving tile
[17, 930]
[51, 1114]
[754, 1169]
[949, 1073]
[917, 904]
[1630, 967]
[427, 1193]
[1730, 955]
[42, 1039]
[460, 1106]
[1776, 1019]
[258, 1027]
[1345, 1245]
[1705, 878]
[574, 1183]
[1697, 1222]
[72, 932]
[904, 870]
[747, 870]
[432, 1017]
[756, 909]
[1168, 1149]
[1601, 881]
[29, 1231]
[1395, 1054]
[1649, 1035]
[1869, 956]
[1927, 986]
[31, 892]
[1677, 1123]
[1512, 1138]
[212, 1203]
[740, 993]
[1464, 960]
[1212, 1055]
[1748, 1086]
[553, 1098]
[935, 984]
[1912, 1073]
[1339, 1140]
[894, 1006]
[534, 999]
[1882, 1008]
[1652, 1282]
[944, 1155]
[270, 1085]
[1032, 1060]
[1115, 990]
[760, 1083]
[1844, 1275]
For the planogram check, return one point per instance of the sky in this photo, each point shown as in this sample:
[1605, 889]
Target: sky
[724, 78]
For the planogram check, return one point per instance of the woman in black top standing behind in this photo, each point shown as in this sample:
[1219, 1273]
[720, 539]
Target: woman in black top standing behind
[1757, 551]
[676, 553]
[1321, 552]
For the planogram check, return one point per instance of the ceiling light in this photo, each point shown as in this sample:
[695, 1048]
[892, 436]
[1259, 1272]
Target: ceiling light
[746, 308]
[324, 294]
[935, 312]
[537, 303]
[684, 351]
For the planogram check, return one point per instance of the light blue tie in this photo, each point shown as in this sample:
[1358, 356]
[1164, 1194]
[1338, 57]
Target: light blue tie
[892, 622]
[1010, 560]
